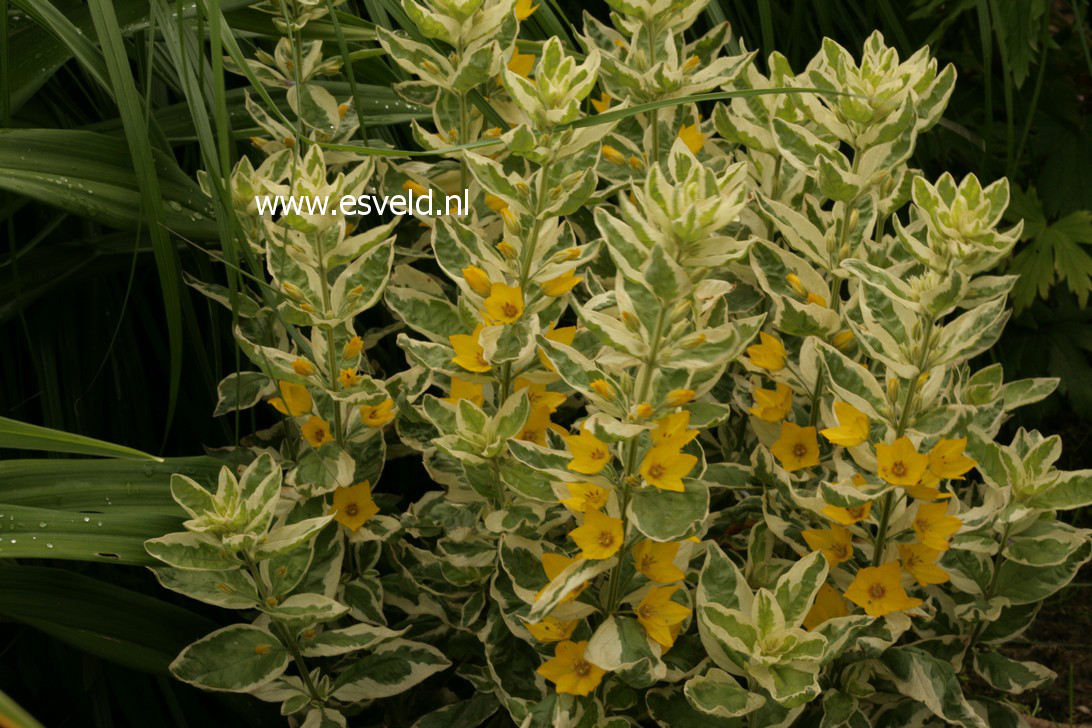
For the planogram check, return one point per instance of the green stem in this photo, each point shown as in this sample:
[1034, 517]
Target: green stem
[283, 634]
[644, 381]
[991, 588]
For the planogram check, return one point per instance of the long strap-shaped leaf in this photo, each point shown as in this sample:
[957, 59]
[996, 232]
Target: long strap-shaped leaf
[18, 435]
[136, 134]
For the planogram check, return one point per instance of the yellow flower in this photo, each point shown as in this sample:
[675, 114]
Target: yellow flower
[348, 378]
[852, 426]
[946, 459]
[561, 285]
[920, 562]
[847, 516]
[463, 389]
[590, 454]
[553, 565]
[524, 9]
[692, 138]
[563, 335]
[672, 432]
[504, 304]
[552, 629]
[494, 203]
[828, 604]
[584, 497]
[900, 463]
[644, 410]
[772, 405]
[877, 590]
[377, 415]
[600, 537]
[835, 543]
[569, 671]
[294, 401]
[796, 448]
[477, 279]
[658, 614]
[354, 505]
[521, 63]
[411, 186]
[352, 348]
[602, 103]
[612, 155]
[303, 367]
[664, 467]
[657, 561]
[468, 352]
[934, 526]
[681, 396]
[543, 404]
[316, 431]
[816, 299]
[768, 355]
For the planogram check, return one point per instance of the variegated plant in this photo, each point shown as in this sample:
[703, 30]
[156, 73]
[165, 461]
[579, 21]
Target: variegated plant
[696, 399]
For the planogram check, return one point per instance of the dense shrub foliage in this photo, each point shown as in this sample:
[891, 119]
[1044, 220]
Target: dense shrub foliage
[693, 394]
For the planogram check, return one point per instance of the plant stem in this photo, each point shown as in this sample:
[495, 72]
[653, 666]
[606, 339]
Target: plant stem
[644, 381]
[283, 634]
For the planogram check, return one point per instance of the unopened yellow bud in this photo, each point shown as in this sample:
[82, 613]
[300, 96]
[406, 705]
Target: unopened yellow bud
[692, 342]
[289, 142]
[303, 367]
[636, 163]
[644, 410]
[691, 63]
[602, 388]
[892, 389]
[797, 285]
[680, 396]
[567, 254]
[355, 292]
[348, 378]
[507, 250]
[271, 601]
[411, 186]
[352, 348]
[258, 142]
[511, 222]
[477, 279]
[817, 299]
[492, 133]
[494, 203]
[612, 155]
[842, 339]
[632, 323]
[261, 649]
[292, 290]
[342, 109]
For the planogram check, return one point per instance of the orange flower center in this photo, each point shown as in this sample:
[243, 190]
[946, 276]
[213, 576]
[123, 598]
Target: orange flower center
[857, 512]
[656, 471]
[509, 310]
[645, 612]
[876, 591]
[352, 509]
[840, 550]
[320, 433]
[605, 539]
[598, 454]
[647, 563]
[899, 468]
[581, 668]
[481, 360]
[799, 450]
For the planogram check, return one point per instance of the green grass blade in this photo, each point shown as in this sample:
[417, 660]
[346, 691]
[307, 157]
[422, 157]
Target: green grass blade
[137, 136]
[13, 716]
[114, 623]
[17, 435]
[112, 538]
[118, 486]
